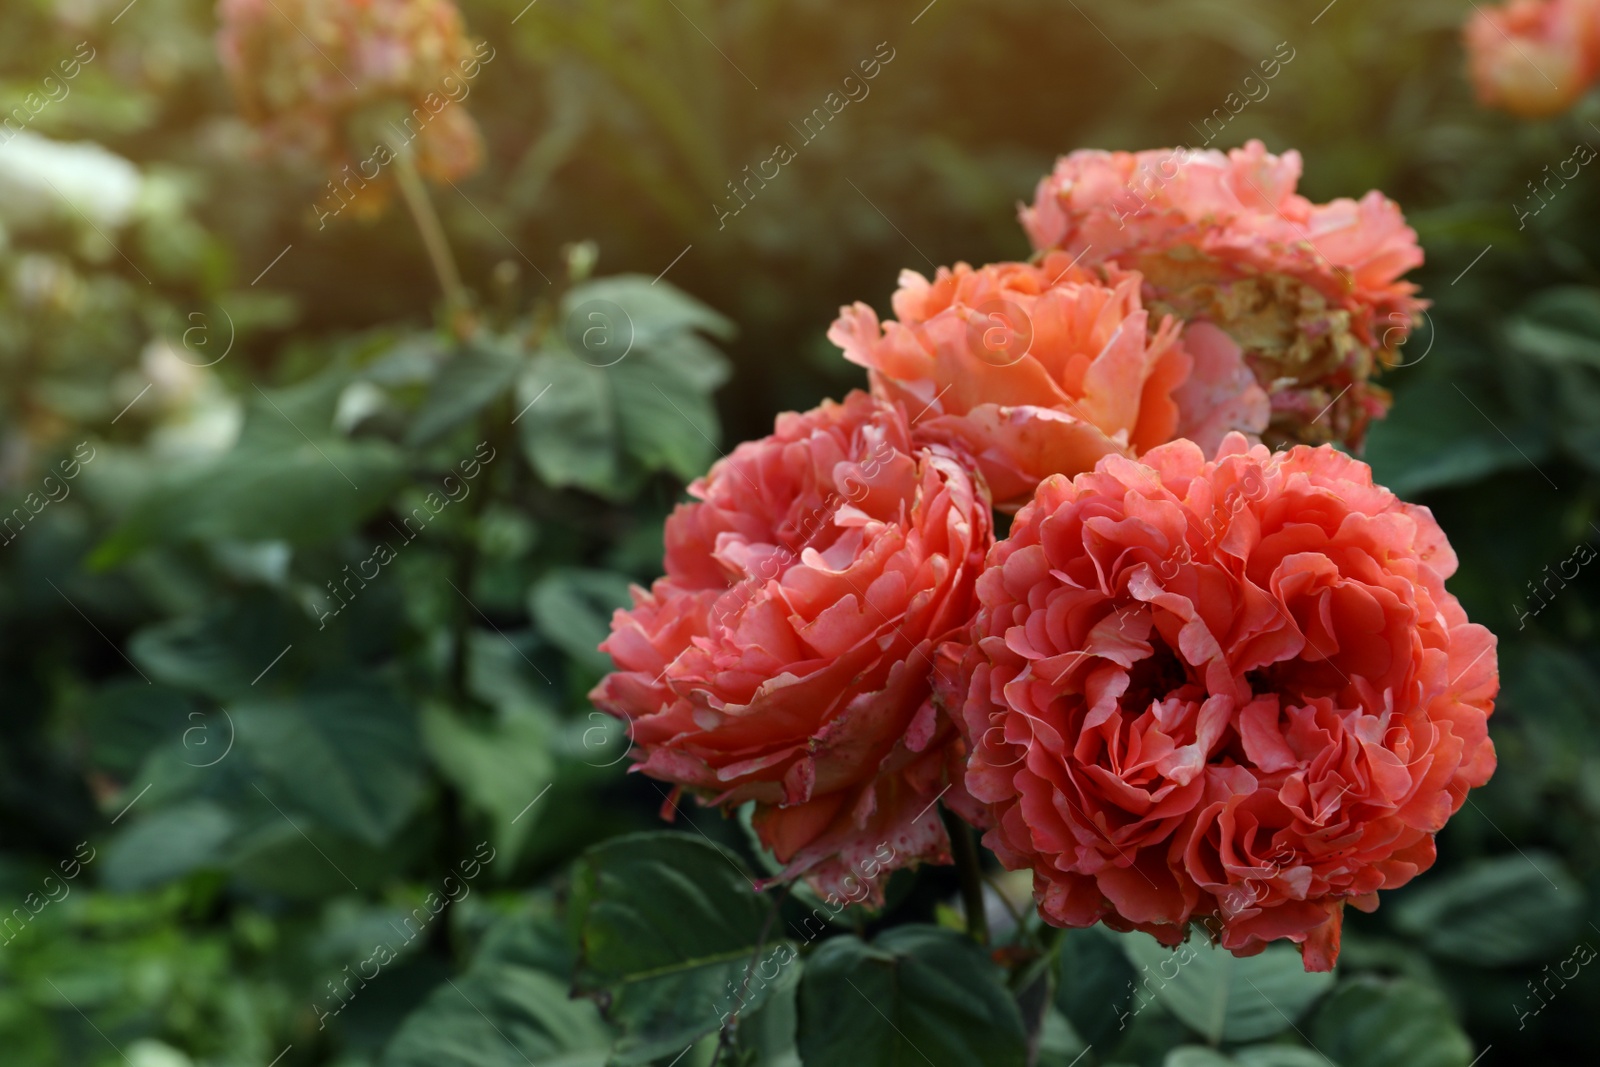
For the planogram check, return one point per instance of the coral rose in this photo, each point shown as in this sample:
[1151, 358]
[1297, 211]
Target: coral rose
[1040, 369]
[355, 83]
[786, 658]
[1533, 57]
[1310, 292]
[1232, 690]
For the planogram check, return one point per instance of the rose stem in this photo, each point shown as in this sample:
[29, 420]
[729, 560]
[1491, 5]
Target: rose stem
[415, 195]
[964, 849]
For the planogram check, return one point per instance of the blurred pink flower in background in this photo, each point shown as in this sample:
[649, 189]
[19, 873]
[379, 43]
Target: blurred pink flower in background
[1533, 58]
[334, 79]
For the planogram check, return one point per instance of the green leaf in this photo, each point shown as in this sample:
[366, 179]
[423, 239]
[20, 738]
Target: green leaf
[653, 903]
[535, 936]
[166, 845]
[467, 383]
[499, 768]
[1375, 1023]
[769, 1034]
[654, 311]
[288, 415]
[219, 652]
[1280, 1056]
[1197, 1056]
[1577, 408]
[499, 673]
[1094, 983]
[1559, 326]
[663, 1014]
[700, 363]
[916, 995]
[573, 608]
[125, 719]
[667, 423]
[626, 391]
[567, 423]
[1436, 437]
[1221, 996]
[1152, 1032]
[303, 492]
[501, 1015]
[1548, 699]
[1059, 1044]
[1558, 331]
[347, 754]
[668, 926]
[1494, 912]
[303, 860]
[1255, 1056]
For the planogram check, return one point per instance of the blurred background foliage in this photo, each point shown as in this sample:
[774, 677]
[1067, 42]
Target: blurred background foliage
[212, 367]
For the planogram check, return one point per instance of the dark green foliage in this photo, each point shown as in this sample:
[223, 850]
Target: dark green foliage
[914, 994]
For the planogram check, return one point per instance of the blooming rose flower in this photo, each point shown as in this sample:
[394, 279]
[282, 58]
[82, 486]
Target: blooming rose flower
[1310, 292]
[355, 82]
[1533, 57]
[1234, 690]
[1038, 369]
[786, 657]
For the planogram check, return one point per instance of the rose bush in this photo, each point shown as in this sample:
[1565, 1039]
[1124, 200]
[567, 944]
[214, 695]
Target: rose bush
[786, 656]
[267, 768]
[1235, 689]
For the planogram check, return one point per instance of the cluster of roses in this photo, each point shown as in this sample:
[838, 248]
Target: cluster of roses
[1199, 679]
[1534, 57]
[331, 79]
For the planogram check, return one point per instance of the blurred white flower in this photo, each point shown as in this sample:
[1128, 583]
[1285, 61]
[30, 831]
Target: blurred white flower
[42, 180]
[196, 415]
[148, 1053]
[46, 282]
[176, 381]
[360, 400]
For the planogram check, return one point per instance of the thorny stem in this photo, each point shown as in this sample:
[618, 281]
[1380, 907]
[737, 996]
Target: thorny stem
[1049, 948]
[726, 1034]
[415, 195]
[964, 849]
